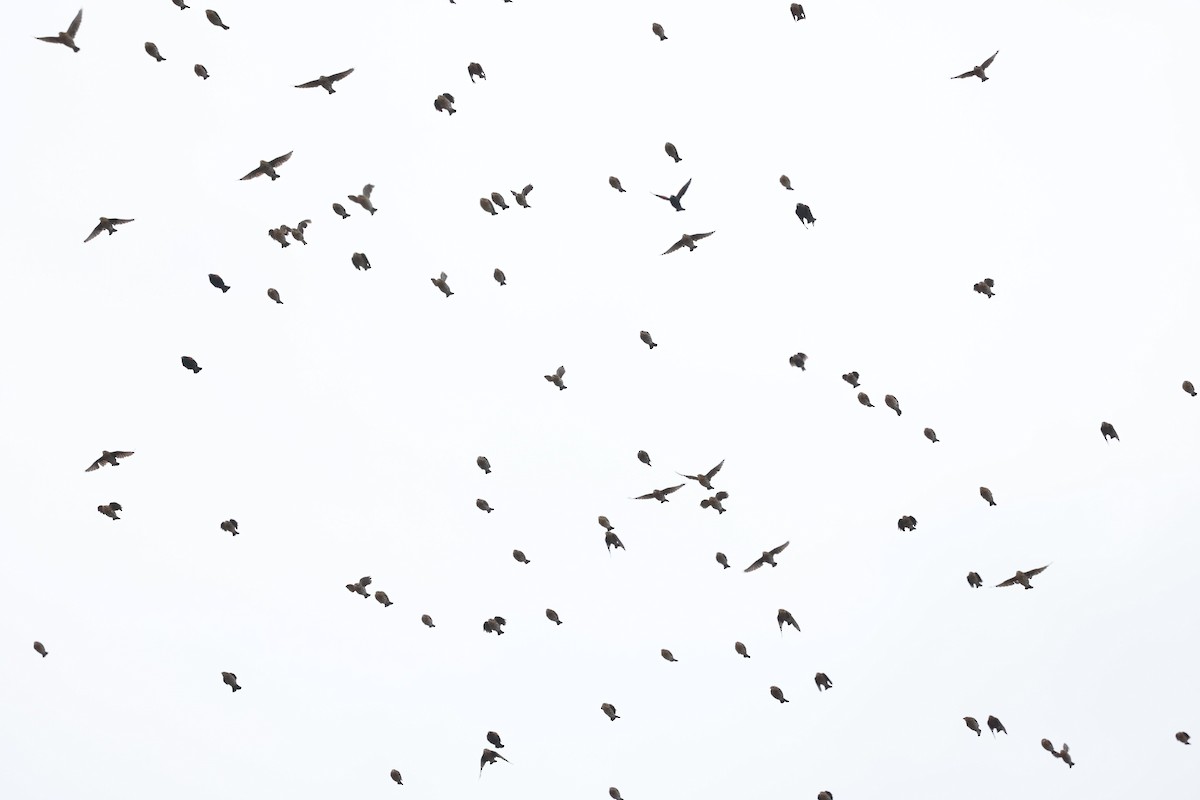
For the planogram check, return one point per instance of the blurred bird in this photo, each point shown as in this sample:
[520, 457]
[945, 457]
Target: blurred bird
[672, 152]
[715, 502]
[190, 363]
[614, 793]
[658, 31]
[520, 557]
[179, 3]
[723, 560]
[777, 693]
[444, 102]
[785, 182]
[1187, 387]
[1107, 430]
[360, 261]
[440, 283]
[973, 724]
[200, 71]
[688, 240]
[501, 621]
[851, 378]
[824, 795]
[660, 494]
[230, 680]
[891, 402]
[383, 599]
[668, 655]
[66, 37]
[396, 776]
[647, 339]
[768, 557]
[994, 724]
[557, 378]
[552, 615]
[498, 201]
[40, 649]
[108, 457]
[644, 457]
[931, 435]
[1022, 578]
[474, 70]
[110, 510]
[486, 205]
[280, 235]
[978, 72]
[604, 523]
[611, 540]
[798, 360]
[268, 167]
[484, 465]
[974, 580]
[786, 616]
[705, 480]
[494, 739]
[215, 19]
[364, 199]
[106, 224]
[152, 50]
[230, 526]
[1048, 746]
[798, 14]
[675, 199]
[340, 210]
[805, 214]
[986, 494]
[491, 626]
[522, 195]
[274, 295]
[489, 757]
[908, 523]
[822, 681]
[985, 287]
[298, 231]
[866, 401]
[360, 587]
[326, 82]
[216, 281]
[1064, 753]
[482, 505]
[427, 621]
[498, 274]
[1182, 736]
[615, 183]
[610, 711]
[740, 649]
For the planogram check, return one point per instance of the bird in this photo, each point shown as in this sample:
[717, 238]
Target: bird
[109, 457]
[280, 235]
[482, 505]
[520, 557]
[340, 210]
[360, 261]
[230, 680]
[798, 14]
[785, 616]
[785, 182]
[66, 37]
[298, 231]
[768, 557]
[217, 282]
[41, 650]
[610, 711]
[658, 31]
[200, 71]
[492, 626]
[866, 401]
[611, 540]
[908, 523]
[364, 199]
[705, 480]
[822, 681]
[230, 526]
[647, 339]
[382, 598]
[798, 360]
[110, 510]
[604, 523]
[152, 50]
[931, 435]
[522, 195]
[805, 214]
[498, 274]
[644, 457]
[675, 199]
[688, 240]
[498, 201]
[986, 494]
[487, 206]
[723, 560]
[1182, 736]
[474, 70]
[326, 82]
[557, 378]
[427, 621]
[105, 224]
[974, 580]
[978, 72]
[672, 152]
[825, 795]
[660, 494]
[994, 724]
[190, 363]
[268, 167]
[777, 693]
[1063, 753]
[440, 283]
[614, 793]
[1022, 578]
[396, 776]
[494, 739]
[215, 19]
[891, 402]
[1107, 430]
[552, 615]
[668, 655]
[181, 5]
[484, 465]
[715, 502]
[615, 183]
[740, 649]
[1187, 387]
[444, 102]
[984, 287]
[274, 295]
[360, 586]
[973, 724]
[851, 378]
[489, 757]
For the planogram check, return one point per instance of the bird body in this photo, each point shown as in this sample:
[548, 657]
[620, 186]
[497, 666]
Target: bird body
[688, 240]
[110, 510]
[658, 31]
[1182, 737]
[519, 556]
[482, 505]
[798, 14]
[217, 282]
[396, 776]
[851, 378]
[268, 167]
[1108, 431]
[705, 479]
[190, 363]
[230, 526]
[907, 523]
[487, 206]
[484, 465]
[994, 725]
[230, 680]
[440, 283]
[611, 540]
[723, 560]
[552, 615]
[984, 287]
[931, 435]
[522, 196]
[444, 102]
[715, 502]
[382, 598]
[340, 210]
[326, 82]
[672, 151]
[676, 199]
[973, 724]
[785, 616]
[105, 224]
[109, 457]
[40, 649]
[215, 19]
[200, 71]
[557, 378]
[364, 199]
[1189, 388]
[865, 400]
[785, 182]
[66, 37]
[777, 693]
[498, 275]
[298, 231]
[660, 494]
[494, 739]
[427, 621]
[974, 580]
[360, 261]
[822, 681]
[978, 72]
[152, 51]
[274, 295]
[798, 360]
[668, 655]
[615, 183]
[498, 201]
[805, 214]
[740, 649]
[489, 757]
[986, 494]
[610, 711]
[891, 402]
[474, 70]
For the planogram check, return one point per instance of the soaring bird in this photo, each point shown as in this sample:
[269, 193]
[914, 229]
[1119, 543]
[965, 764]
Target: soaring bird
[109, 457]
[715, 502]
[297, 232]
[785, 616]
[440, 283]
[1189, 388]
[396, 776]
[340, 210]
[931, 435]
[672, 152]
[482, 505]
[444, 102]
[705, 479]
[907, 523]
[723, 560]
[494, 739]
[994, 724]
[190, 363]
[498, 201]
[522, 196]
[805, 214]
[40, 649]
[215, 19]
[364, 199]
[985, 287]
[822, 681]
[658, 31]
[891, 402]
[615, 183]
[218, 282]
[484, 465]
[610, 711]
[552, 615]
[676, 198]
[777, 693]
[986, 494]
[230, 680]
[974, 580]
[1107, 430]
[230, 526]
[427, 621]
[383, 599]
[973, 724]
[1181, 737]
[785, 182]
[500, 277]
[474, 70]
[851, 378]
[487, 206]
[489, 757]
[360, 261]
[152, 51]
[978, 72]
[647, 339]
[668, 655]
[825, 795]
[865, 400]
[557, 378]
[688, 240]
[798, 360]
[106, 224]
[797, 12]
[274, 295]
[660, 494]
[200, 71]
[768, 557]
[66, 37]
[268, 167]
[519, 556]
[326, 82]
[740, 649]
[1022, 578]
[110, 510]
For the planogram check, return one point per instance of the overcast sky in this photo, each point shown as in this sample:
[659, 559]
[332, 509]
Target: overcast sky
[341, 428]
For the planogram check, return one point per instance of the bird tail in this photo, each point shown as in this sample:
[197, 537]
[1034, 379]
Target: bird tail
[224, 289]
[653, 345]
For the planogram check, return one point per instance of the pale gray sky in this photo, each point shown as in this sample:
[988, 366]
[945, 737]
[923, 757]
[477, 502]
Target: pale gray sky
[341, 428]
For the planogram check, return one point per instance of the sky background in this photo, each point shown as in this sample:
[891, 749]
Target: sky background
[341, 428]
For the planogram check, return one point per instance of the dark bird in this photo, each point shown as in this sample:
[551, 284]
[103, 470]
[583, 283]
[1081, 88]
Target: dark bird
[440, 283]
[475, 71]
[660, 494]
[786, 616]
[822, 681]
[798, 14]
[1064, 753]
[298, 231]
[484, 465]
[705, 480]
[672, 152]
[866, 401]
[152, 51]
[110, 510]
[610, 711]
[1022, 578]
[190, 363]
[611, 540]
[487, 206]
[740, 649]
[498, 274]
[1107, 430]
[851, 378]
[994, 725]
[492, 626]
[985, 287]
[986, 494]
[604, 523]
[522, 196]
[1187, 387]
[826, 795]
[340, 210]
[978, 72]
[798, 360]
[658, 31]
[360, 587]
[723, 560]
[326, 82]
[230, 526]
[396, 776]
[675, 199]
[973, 724]
[1181, 737]
[520, 557]
[427, 621]
[41, 650]
[230, 680]
[494, 739]
[489, 757]
[668, 655]
[482, 505]
[644, 457]
[280, 235]
[615, 183]
[768, 557]
[557, 378]
[200, 71]
[268, 167]
[891, 402]
[805, 214]
[647, 339]
[109, 457]
[552, 615]
[908, 523]
[777, 693]
[364, 199]
[931, 435]
[688, 240]
[274, 295]
[614, 793]
[106, 224]
[66, 37]
[215, 19]
[785, 182]
[974, 580]
[444, 102]
[383, 599]
[181, 5]
[715, 502]
[360, 261]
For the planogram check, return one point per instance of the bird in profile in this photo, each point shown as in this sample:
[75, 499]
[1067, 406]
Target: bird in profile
[907, 523]
[931, 435]
[1189, 388]
[360, 261]
[785, 616]
[672, 152]
[785, 182]
[190, 363]
[230, 680]
[715, 502]
[610, 711]
[200, 71]
[66, 37]
[110, 510]
[440, 283]
[298, 231]
[660, 494]
[822, 681]
[1022, 578]
[268, 167]
[705, 479]
[474, 70]
[798, 14]
[865, 400]
[494, 739]
[109, 457]
[552, 615]
[798, 360]
[604, 523]
[40, 649]
[444, 102]
[498, 201]
[658, 31]
[1181, 737]
[675, 199]
[215, 19]
[984, 287]
[230, 526]
[974, 580]
[274, 295]
[484, 465]
[498, 274]
[647, 339]
[723, 560]
[427, 621]
[482, 505]
[777, 693]
[396, 776]
[382, 598]
[740, 649]
[340, 210]
[152, 51]
[994, 725]
[986, 494]
[489, 757]
[891, 402]
[805, 214]
[978, 72]
[851, 378]
[688, 240]
[1108, 431]
[218, 282]
[973, 724]
[326, 82]
[768, 557]
[519, 556]
[522, 196]
[668, 655]
[105, 224]
[557, 378]
[487, 206]
[615, 183]
[364, 199]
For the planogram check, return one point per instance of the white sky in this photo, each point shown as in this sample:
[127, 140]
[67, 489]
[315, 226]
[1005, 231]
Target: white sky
[341, 428]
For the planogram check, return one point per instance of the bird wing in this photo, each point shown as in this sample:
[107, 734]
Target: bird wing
[755, 565]
[1008, 582]
[119, 221]
[448, 96]
[1030, 573]
[95, 465]
[714, 470]
[696, 236]
[341, 75]
[988, 63]
[683, 190]
[722, 495]
[644, 496]
[53, 39]
[254, 173]
[560, 371]
[95, 232]
[781, 548]
[528, 188]
[281, 160]
[365, 581]
[674, 247]
[663, 197]
[121, 453]
[370, 187]
[671, 489]
[75, 23]
[309, 85]
[966, 74]
[689, 477]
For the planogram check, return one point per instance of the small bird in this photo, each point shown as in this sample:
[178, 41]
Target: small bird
[280, 235]
[986, 494]
[440, 282]
[723, 560]
[604, 523]
[360, 587]
[611, 540]
[798, 360]
[552, 615]
[179, 3]
[660, 494]
[826, 795]
[522, 195]
[487, 206]
[805, 214]
[382, 598]
[1022, 578]
[715, 502]
[798, 14]
[777, 693]
[931, 435]
[340, 210]
[705, 480]
[786, 616]
[230, 526]
[785, 182]
[974, 580]
[484, 465]
[610, 711]
[482, 505]
[668, 655]
[489, 757]
[498, 201]
[768, 557]
[215, 19]
[822, 681]
[1048, 746]
[615, 183]
[891, 402]
[973, 724]
[298, 231]
[444, 102]
[978, 72]
[274, 295]
[985, 287]
[152, 50]
[427, 621]
[106, 224]
[520, 557]
[190, 363]
[110, 510]
[492, 626]
[364, 199]
[851, 378]
[360, 261]
[217, 282]
[494, 740]
[908, 523]
[658, 31]
[1182, 736]
[557, 378]
[676, 199]
[740, 649]
[396, 776]
[1107, 430]
[672, 152]
[498, 274]
[41, 650]
[614, 793]
[1065, 754]
[994, 724]
[688, 240]
[644, 457]
[66, 37]
[647, 339]
[230, 680]
[326, 82]
[474, 70]
[866, 401]
[1187, 387]
[268, 167]
[200, 71]
[109, 457]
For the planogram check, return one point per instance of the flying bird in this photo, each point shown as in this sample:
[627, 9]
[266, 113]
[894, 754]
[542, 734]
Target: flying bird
[552, 615]
[1181, 737]
[984, 287]
[110, 510]
[444, 102]
[494, 739]
[474, 70]
[520, 557]
[891, 402]
[498, 274]
[484, 465]
[360, 261]
[644, 457]
[152, 51]
[822, 681]
[298, 231]
[798, 360]
[658, 31]
[106, 224]
[614, 793]
[489, 757]
[647, 339]
[396, 776]
[994, 725]
[230, 680]
[610, 711]
[723, 560]
[866, 401]
[705, 480]
[1022, 578]
[826, 795]
[777, 693]
[326, 82]
[340, 210]
[676, 198]
[672, 152]
[66, 37]
[851, 378]
[482, 505]
[487, 206]
[40, 649]
[280, 235]
[200, 71]
[383, 599]
[109, 457]
[268, 167]
[908, 523]
[217, 282]
[688, 240]
[190, 363]
[660, 494]
[181, 5]
[973, 724]
[615, 183]
[785, 182]
[715, 502]
[798, 14]
[498, 201]
[986, 494]
[522, 195]
[215, 19]
[604, 523]
[611, 540]
[274, 295]
[1187, 387]
[740, 649]
[440, 283]
[427, 621]
[557, 378]
[978, 72]
[768, 557]
[805, 214]
[492, 626]
[931, 435]
[364, 199]
[230, 526]
[974, 580]
[668, 655]
[785, 616]
[1107, 430]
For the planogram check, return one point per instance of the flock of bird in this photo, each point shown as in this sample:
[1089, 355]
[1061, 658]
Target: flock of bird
[494, 204]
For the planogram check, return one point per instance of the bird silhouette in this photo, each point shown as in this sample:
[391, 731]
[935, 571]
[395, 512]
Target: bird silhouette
[704, 479]
[1022, 578]
[660, 494]
[66, 37]
[109, 457]
[268, 167]
[675, 199]
[106, 224]
[767, 557]
[978, 72]
[688, 240]
[326, 82]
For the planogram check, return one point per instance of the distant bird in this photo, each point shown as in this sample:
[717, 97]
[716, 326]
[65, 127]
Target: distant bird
[658, 31]
[688, 240]
[106, 224]
[822, 681]
[444, 102]
[715, 502]
[615, 183]
[492, 626]
[326, 82]
[109, 457]
[740, 649]
[280, 235]
[891, 402]
[1063, 753]
[360, 261]
[723, 560]
[482, 505]
[40, 649]
[768, 557]
[494, 739]
[230, 526]
[985, 287]
[798, 14]
[978, 72]
[604, 523]
[798, 360]
[557, 378]
[851, 378]
[705, 479]
[1182, 736]
[644, 457]
[660, 494]
[1187, 387]
[152, 51]
[340, 210]
[522, 195]
[268, 167]
[675, 199]
[217, 281]
[487, 206]
[230, 680]
[1107, 430]
[552, 615]
[986, 494]
[785, 616]
[994, 725]
[610, 711]
[647, 339]
[200, 71]
[672, 152]
[66, 37]
[1022, 578]
[383, 599]
[805, 214]
[298, 231]
[973, 724]
[668, 655]
[825, 795]
[908, 523]
[1048, 746]
[489, 757]
[360, 587]
[440, 283]
[785, 182]
[396, 776]
[181, 5]
[611, 540]
[614, 793]
[484, 465]
[190, 363]
[520, 557]
[474, 70]
[274, 295]
[974, 580]
[931, 435]
[364, 199]
[498, 201]
[866, 401]
[427, 621]
[215, 19]
[110, 510]
[498, 274]
[777, 693]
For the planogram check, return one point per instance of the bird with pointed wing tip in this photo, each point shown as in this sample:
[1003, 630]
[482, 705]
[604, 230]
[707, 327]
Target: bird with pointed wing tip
[715, 502]
[440, 283]
[326, 82]
[688, 240]
[611, 540]
[610, 711]
[500, 277]
[785, 616]
[489, 757]
[822, 681]
[615, 183]
[723, 560]
[1022, 578]
[705, 479]
[768, 557]
[994, 724]
[978, 72]
[364, 199]
[522, 196]
[604, 523]
[66, 37]
[557, 378]
[676, 199]
[475, 70]
[106, 224]
[444, 102]
[805, 214]
[396, 776]
[110, 510]
[660, 494]
[974, 580]
[1108, 431]
[109, 457]
[985, 287]
[797, 12]
[973, 724]
[268, 167]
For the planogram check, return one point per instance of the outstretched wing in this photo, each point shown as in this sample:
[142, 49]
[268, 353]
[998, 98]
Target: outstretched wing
[754, 566]
[988, 63]
[364, 581]
[714, 470]
[276, 162]
[673, 489]
[698, 236]
[781, 548]
[119, 221]
[95, 465]
[528, 188]
[675, 246]
[1008, 582]
[370, 187]
[722, 495]
[1031, 572]
[95, 232]
[75, 23]
[341, 75]
[683, 191]
[121, 453]
[966, 74]
[254, 173]
[560, 371]
[309, 85]
[645, 496]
